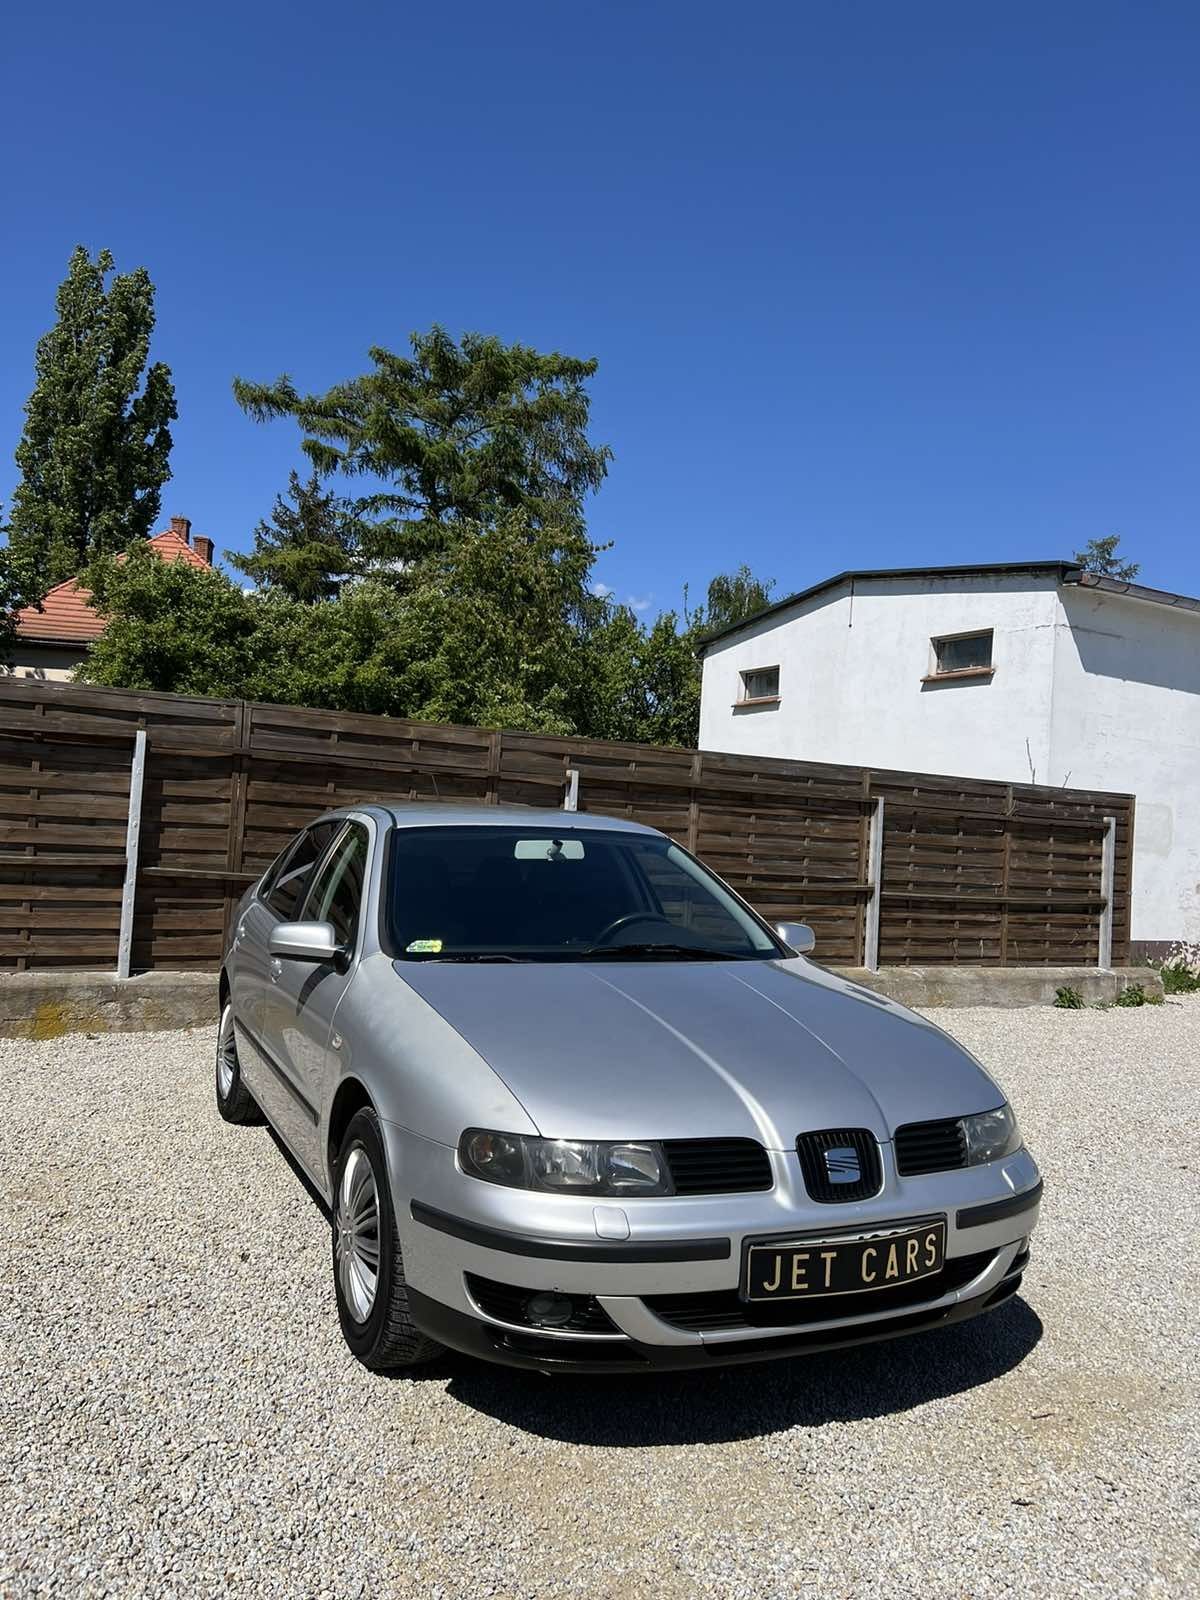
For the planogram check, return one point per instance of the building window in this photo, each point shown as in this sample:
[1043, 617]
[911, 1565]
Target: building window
[961, 654]
[759, 684]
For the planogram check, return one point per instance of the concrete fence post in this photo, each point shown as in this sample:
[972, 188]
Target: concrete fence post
[875, 883]
[1108, 861]
[571, 798]
[133, 829]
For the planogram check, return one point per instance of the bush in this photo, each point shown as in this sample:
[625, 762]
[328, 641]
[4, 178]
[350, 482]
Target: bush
[1068, 999]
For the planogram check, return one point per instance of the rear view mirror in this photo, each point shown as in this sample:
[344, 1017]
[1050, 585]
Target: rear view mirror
[304, 941]
[799, 935]
[548, 850]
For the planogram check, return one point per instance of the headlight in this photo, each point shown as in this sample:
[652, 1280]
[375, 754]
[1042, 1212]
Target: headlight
[564, 1166]
[990, 1135]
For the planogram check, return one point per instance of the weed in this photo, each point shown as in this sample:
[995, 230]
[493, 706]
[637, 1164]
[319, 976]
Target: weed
[1131, 995]
[1068, 999]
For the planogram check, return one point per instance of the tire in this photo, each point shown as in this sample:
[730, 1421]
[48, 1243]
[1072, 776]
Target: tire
[372, 1308]
[234, 1100]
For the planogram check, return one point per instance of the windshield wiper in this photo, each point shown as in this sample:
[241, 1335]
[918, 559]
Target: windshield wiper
[479, 955]
[669, 952]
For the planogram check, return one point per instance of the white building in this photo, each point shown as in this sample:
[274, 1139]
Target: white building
[1025, 672]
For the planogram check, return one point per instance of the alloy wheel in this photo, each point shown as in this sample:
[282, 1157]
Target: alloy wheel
[356, 1233]
[226, 1054]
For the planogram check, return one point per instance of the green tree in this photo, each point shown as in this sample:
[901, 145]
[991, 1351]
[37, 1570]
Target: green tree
[308, 549]
[11, 598]
[734, 596]
[487, 632]
[1101, 556]
[641, 685]
[93, 456]
[457, 433]
[172, 626]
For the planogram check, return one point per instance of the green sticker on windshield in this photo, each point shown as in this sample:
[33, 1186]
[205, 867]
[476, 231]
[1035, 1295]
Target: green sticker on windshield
[423, 947]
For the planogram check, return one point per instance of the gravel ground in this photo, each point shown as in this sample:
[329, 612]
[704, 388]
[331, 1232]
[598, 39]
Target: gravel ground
[180, 1417]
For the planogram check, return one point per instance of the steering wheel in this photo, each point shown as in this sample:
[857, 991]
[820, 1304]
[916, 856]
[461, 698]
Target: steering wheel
[617, 923]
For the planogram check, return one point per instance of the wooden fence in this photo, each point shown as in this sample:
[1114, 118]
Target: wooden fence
[888, 867]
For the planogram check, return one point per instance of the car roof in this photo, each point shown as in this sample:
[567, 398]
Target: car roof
[477, 814]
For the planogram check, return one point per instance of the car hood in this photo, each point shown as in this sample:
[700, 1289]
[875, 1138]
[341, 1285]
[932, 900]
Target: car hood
[678, 1050]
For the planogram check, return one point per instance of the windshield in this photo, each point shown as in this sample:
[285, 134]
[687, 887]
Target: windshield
[516, 894]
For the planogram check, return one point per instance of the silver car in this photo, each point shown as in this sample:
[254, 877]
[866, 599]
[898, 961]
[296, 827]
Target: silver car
[574, 1105]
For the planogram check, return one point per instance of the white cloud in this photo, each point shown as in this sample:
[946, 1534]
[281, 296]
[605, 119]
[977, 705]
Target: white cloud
[639, 605]
[602, 590]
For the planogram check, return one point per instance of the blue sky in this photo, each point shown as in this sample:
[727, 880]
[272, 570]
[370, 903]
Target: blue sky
[870, 284]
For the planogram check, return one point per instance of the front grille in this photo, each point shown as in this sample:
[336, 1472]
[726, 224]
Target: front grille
[717, 1166]
[722, 1309]
[929, 1147]
[506, 1302]
[812, 1149]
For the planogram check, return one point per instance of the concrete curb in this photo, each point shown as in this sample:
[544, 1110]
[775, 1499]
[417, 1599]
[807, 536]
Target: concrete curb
[927, 987]
[47, 1005]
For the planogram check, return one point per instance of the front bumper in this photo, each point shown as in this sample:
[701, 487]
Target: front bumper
[667, 1291]
[540, 1352]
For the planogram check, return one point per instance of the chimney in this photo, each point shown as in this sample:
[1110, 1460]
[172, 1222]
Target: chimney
[183, 527]
[203, 547]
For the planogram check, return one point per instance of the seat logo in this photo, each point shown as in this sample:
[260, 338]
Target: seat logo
[842, 1164]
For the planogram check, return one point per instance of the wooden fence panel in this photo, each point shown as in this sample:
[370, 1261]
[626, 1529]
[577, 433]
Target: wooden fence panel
[973, 871]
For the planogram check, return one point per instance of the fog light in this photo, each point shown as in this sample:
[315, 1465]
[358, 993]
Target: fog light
[549, 1310]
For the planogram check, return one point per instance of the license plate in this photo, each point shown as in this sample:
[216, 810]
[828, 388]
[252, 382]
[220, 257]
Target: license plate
[806, 1269]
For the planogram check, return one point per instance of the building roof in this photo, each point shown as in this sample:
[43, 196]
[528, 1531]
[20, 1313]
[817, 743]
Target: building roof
[1064, 572]
[172, 545]
[65, 617]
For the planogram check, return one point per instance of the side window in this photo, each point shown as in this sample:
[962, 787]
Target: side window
[336, 892]
[270, 876]
[287, 891]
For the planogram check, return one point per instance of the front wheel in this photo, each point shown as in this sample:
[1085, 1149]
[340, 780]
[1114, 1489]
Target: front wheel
[234, 1100]
[368, 1270]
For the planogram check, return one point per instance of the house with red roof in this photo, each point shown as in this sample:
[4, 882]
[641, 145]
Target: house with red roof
[52, 640]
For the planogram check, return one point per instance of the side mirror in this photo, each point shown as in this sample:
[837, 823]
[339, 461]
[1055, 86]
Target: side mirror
[304, 941]
[799, 935]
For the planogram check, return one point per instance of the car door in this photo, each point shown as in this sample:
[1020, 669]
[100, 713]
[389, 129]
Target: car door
[303, 995]
[279, 899]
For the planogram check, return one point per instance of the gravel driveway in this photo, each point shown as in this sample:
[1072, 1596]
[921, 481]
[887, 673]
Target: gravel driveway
[178, 1415]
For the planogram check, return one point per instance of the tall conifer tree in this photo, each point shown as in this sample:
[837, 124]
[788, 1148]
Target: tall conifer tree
[460, 431]
[93, 456]
[308, 548]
